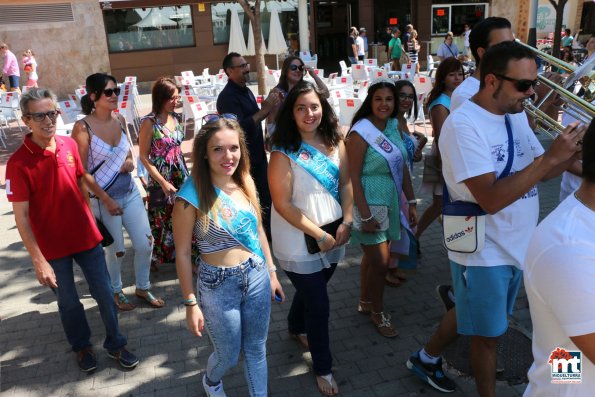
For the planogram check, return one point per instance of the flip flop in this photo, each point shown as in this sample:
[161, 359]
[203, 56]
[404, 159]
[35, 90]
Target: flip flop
[392, 280]
[150, 298]
[122, 302]
[327, 385]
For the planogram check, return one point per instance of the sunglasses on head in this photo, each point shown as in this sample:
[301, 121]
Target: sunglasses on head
[39, 116]
[521, 85]
[211, 118]
[293, 68]
[108, 92]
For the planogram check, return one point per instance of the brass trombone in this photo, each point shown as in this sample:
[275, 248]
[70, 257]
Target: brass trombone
[575, 106]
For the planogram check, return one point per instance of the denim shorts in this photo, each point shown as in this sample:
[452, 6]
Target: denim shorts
[485, 297]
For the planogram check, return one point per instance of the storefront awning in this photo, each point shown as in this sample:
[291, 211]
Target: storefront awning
[115, 4]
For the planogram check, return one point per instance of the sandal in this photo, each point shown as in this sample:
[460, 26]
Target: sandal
[384, 326]
[301, 339]
[392, 280]
[150, 298]
[327, 385]
[122, 302]
[364, 307]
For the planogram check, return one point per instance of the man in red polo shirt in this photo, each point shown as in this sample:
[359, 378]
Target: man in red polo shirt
[43, 182]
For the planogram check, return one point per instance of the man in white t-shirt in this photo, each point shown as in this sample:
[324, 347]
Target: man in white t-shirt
[361, 52]
[474, 149]
[559, 278]
[487, 33]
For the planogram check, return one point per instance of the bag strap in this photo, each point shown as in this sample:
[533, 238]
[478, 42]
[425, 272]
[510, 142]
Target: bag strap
[506, 171]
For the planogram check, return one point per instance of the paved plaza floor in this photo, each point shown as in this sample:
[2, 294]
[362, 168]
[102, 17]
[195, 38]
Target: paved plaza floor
[36, 359]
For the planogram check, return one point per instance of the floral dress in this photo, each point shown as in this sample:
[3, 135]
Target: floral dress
[166, 155]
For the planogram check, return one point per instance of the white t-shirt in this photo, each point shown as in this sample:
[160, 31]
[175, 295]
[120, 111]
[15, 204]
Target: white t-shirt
[466, 37]
[465, 90]
[474, 142]
[560, 283]
[359, 42]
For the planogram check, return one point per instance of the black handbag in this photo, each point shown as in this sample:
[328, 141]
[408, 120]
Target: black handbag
[157, 197]
[330, 228]
[107, 236]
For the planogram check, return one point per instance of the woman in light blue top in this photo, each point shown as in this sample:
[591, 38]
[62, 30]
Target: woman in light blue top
[448, 77]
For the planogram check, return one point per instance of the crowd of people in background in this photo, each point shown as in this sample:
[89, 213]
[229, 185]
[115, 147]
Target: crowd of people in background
[303, 195]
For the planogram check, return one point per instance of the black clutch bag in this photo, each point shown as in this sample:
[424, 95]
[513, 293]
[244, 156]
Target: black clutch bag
[107, 237]
[330, 228]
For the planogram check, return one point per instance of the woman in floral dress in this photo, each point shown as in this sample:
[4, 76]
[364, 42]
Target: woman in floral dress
[160, 140]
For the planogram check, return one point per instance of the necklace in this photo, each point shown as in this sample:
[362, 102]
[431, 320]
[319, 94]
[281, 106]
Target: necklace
[581, 201]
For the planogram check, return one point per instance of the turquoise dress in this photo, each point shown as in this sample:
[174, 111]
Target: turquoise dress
[379, 189]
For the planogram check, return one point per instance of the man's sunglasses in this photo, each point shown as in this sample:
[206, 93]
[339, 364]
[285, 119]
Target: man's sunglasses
[522, 85]
[39, 116]
[211, 118]
[293, 68]
[108, 92]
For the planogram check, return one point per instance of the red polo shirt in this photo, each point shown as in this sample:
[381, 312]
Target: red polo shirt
[61, 221]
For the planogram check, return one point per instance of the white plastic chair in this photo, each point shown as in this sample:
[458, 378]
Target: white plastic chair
[272, 77]
[371, 62]
[347, 109]
[69, 111]
[358, 72]
[9, 105]
[344, 69]
[422, 83]
[421, 117]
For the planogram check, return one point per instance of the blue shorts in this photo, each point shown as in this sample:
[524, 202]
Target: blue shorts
[484, 297]
[13, 81]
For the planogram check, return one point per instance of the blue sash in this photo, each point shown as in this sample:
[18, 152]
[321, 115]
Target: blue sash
[240, 224]
[318, 165]
[391, 153]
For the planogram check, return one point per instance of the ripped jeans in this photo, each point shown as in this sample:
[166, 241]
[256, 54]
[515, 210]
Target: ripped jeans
[236, 304]
[136, 222]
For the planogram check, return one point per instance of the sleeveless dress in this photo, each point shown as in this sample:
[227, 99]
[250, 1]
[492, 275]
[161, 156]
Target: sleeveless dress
[435, 188]
[166, 155]
[318, 205]
[379, 188]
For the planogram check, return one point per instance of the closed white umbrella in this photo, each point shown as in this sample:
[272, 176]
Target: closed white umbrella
[277, 43]
[236, 37]
[251, 49]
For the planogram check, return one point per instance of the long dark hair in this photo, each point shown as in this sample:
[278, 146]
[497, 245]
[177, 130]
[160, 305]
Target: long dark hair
[163, 90]
[201, 173]
[399, 87]
[366, 109]
[447, 66]
[284, 69]
[286, 134]
[95, 84]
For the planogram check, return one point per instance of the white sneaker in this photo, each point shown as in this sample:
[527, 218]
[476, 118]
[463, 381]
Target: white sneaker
[213, 391]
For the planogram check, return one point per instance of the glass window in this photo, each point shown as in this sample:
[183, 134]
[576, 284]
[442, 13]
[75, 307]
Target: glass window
[440, 20]
[148, 28]
[221, 19]
[452, 17]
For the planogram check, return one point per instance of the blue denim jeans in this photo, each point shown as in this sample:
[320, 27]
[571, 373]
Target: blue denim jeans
[309, 314]
[72, 312]
[236, 304]
[135, 221]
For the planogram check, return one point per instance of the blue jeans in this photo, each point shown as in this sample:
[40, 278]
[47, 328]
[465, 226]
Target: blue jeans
[135, 221]
[236, 304]
[309, 314]
[72, 312]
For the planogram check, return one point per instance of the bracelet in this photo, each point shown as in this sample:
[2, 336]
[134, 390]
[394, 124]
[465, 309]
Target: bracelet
[191, 300]
[348, 224]
[190, 304]
[368, 219]
[412, 201]
[272, 269]
[322, 238]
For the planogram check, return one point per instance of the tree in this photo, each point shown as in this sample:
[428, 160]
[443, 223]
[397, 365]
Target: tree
[559, 7]
[253, 13]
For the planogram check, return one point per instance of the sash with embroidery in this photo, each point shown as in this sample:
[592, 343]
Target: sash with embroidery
[379, 142]
[240, 224]
[319, 166]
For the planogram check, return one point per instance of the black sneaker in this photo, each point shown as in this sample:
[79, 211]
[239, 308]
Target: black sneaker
[86, 360]
[432, 374]
[444, 292]
[124, 358]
